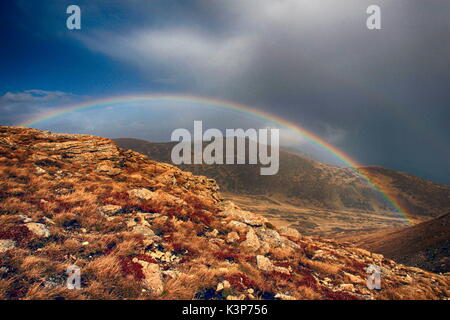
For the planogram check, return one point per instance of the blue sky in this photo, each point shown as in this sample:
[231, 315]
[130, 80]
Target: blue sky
[380, 96]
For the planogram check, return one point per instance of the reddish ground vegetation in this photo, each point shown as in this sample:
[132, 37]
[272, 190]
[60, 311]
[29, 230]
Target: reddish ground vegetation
[18, 233]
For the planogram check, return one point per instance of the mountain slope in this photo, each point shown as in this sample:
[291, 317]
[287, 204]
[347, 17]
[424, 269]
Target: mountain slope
[140, 229]
[414, 193]
[300, 180]
[425, 245]
[303, 182]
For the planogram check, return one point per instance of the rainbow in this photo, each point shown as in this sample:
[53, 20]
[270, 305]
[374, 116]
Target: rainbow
[215, 103]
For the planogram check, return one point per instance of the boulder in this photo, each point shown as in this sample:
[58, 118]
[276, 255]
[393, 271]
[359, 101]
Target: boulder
[247, 217]
[6, 245]
[264, 263]
[144, 230]
[270, 236]
[38, 229]
[153, 280]
[79, 148]
[290, 233]
[142, 193]
[251, 242]
[237, 226]
[109, 209]
[232, 237]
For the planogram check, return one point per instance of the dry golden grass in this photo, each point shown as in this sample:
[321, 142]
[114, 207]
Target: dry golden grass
[5, 287]
[189, 283]
[131, 244]
[37, 267]
[323, 267]
[104, 269]
[306, 293]
[39, 292]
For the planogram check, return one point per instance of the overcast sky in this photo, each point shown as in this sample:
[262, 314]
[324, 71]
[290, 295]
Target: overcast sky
[382, 97]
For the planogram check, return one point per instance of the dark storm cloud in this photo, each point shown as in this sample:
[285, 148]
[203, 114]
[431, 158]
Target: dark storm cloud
[381, 96]
[316, 63]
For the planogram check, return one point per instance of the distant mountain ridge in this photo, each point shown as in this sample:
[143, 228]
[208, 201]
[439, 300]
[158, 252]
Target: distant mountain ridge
[415, 193]
[303, 181]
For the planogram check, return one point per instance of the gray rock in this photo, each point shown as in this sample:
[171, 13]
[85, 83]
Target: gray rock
[247, 217]
[232, 237]
[264, 263]
[270, 236]
[142, 193]
[6, 245]
[237, 226]
[153, 278]
[144, 230]
[290, 233]
[38, 229]
[251, 242]
[109, 209]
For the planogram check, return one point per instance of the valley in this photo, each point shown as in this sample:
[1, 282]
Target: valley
[317, 198]
[315, 221]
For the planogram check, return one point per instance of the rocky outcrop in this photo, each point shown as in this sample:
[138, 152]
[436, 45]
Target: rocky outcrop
[109, 209]
[232, 237]
[290, 233]
[152, 277]
[265, 264]
[251, 241]
[143, 194]
[6, 245]
[247, 217]
[38, 229]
